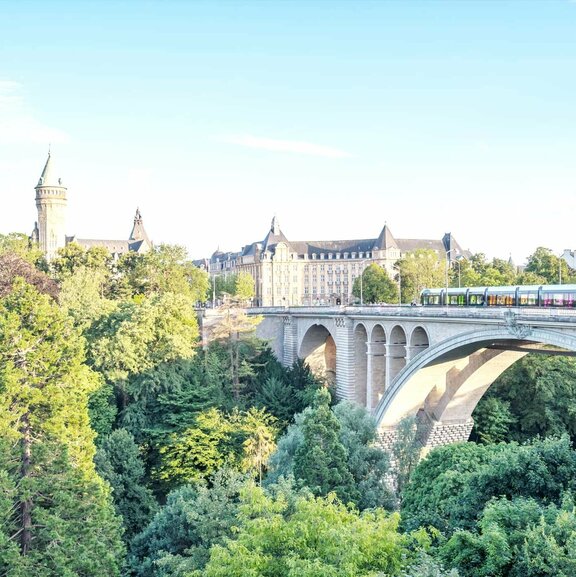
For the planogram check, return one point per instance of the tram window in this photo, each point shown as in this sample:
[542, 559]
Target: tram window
[502, 300]
[528, 299]
[558, 300]
[477, 300]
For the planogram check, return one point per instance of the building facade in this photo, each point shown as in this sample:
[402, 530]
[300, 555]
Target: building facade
[50, 229]
[292, 273]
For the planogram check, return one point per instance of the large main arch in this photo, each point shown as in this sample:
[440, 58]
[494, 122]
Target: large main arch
[442, 385]
[318, 349]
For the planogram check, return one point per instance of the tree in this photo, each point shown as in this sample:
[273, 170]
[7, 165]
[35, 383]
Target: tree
[58, 518]
[516, 538]
[244, 289]
[164, 269]
[118, 461]
[235, 330]
[73, 257]
[405, 452]
[450, 488]
[320, 461]
[420, 269]
[547, 265]
[20, 245]
[140, 335]
[535, 397]
[367, 464]
[287, 535]
[240, 440]
[376, 286]
[82, 296]
[492, 421]
[195, 517]
[12, 267]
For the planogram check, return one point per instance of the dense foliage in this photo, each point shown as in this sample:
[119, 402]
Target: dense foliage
[128, 449]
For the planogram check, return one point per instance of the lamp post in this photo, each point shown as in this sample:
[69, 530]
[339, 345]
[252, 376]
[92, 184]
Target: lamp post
[399, 275]
[362, 282]
[213, 291]
[459, 263]
[447, 267]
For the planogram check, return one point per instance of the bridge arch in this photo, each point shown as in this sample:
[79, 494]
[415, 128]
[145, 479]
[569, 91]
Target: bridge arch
[445, 381]
[377, 357]
[318, 349]
[396, 351]
[419, 340]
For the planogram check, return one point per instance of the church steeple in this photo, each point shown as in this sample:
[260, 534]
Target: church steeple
[51, 202]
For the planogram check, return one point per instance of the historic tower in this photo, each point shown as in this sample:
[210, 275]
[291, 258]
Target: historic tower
[50, 230]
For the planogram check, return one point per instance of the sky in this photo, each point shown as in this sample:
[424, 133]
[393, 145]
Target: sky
[337, 117]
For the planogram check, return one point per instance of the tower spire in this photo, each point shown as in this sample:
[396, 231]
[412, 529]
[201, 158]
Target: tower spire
[51, 203]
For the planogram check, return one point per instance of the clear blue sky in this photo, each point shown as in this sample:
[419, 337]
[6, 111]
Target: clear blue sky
[335, 116]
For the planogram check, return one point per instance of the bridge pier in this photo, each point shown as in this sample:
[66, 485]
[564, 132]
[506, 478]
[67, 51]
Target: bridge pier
[345, 359]
[290, 341]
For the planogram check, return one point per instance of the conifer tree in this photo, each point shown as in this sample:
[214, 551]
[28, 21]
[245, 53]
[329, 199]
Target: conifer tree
[320, 461]
[56, 513]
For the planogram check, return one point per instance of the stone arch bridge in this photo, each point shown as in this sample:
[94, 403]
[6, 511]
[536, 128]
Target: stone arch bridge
[431, 363]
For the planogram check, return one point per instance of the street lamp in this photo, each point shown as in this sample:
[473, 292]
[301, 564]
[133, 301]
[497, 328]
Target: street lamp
[399, 275]
[459, 263]
[362, 282]
[455, 250]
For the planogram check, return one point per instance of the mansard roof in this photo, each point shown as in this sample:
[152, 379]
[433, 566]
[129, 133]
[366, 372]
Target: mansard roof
[328, 246]
[384, 241]
[114, 246]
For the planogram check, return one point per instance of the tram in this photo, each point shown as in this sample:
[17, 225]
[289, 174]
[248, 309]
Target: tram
[559, 296]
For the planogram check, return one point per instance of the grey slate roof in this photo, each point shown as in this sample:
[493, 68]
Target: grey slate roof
[384, 241]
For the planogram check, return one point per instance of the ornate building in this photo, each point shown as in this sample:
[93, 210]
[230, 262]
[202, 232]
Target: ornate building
[50, 229]
[317, 272]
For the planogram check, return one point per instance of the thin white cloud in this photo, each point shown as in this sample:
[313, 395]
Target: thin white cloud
[17, 122]
[294, 146]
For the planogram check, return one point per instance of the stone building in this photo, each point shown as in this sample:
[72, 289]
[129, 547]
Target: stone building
[50, 229]
[317, 272]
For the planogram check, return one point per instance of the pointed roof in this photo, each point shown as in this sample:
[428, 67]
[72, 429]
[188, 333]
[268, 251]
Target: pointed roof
[385, 240]
[48, 176]
[138, 231]
[274, 236]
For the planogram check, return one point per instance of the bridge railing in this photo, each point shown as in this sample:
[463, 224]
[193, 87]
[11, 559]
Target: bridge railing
[520, 313]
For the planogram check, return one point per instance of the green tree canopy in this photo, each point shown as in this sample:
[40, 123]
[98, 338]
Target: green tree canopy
[535, 397]
[283, 535]
[195, 517]
[19, 244]
[375, 286]
[517, 538]
[420, 269]
[544, 263]
[118, 461]
[347, 435]
[57, 514]
[240, 440]
[450, 488]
